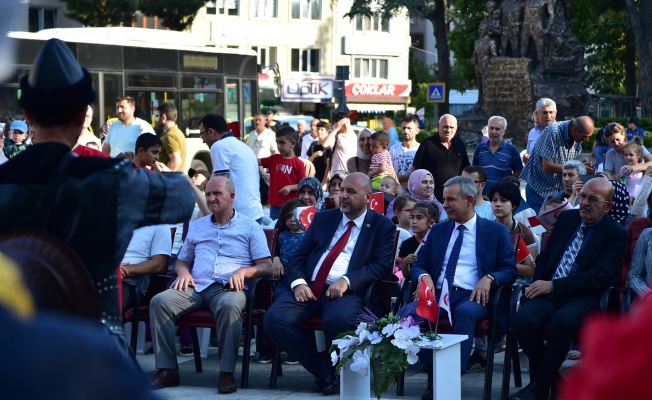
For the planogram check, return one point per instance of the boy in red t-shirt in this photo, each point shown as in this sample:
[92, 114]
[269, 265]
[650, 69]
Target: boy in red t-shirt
[285, 170]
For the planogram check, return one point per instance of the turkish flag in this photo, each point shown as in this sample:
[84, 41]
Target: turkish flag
[522, 253]
[377, 202]
[304, 216]
[427, 306]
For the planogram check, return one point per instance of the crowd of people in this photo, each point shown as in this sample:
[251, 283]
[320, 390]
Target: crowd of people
[452, 215]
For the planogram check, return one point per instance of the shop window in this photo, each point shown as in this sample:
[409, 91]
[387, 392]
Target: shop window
[305, 60]
[365, 23]
[42, 18]
[370, 68]
[306, 9]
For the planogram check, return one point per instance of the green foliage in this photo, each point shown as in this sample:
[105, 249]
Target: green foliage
[467, 15]
[386, 361]
[101, 12]
[425, 133]
[176, 15]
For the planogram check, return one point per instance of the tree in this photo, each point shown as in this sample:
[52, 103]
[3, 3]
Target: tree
[467, 15]
[434, 11]
[640, 15]
[101, 12]
[175, 14]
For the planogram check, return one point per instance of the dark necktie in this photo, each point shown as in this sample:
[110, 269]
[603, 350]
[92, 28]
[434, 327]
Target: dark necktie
[326, 266]
[454, 258]
[568, 258]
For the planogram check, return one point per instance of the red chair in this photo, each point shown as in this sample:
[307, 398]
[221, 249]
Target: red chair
[259, 298]
[147, 287]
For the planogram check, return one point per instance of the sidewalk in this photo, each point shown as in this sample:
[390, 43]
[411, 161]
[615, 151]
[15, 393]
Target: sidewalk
[296, 382]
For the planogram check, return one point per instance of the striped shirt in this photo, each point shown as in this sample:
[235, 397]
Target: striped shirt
[382, 158]
[554, 146]
[504, 162]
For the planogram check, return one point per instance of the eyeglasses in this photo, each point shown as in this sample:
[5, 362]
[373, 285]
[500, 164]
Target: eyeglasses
[479, 181]
[202, 133]
[592, 199]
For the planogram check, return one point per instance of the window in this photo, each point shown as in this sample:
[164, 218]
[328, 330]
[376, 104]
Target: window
[266, 55]
[264, 8]
[306, 9]
[370, 68]
[372, 24]
[222, 7]
[42, 18]
[305, 60]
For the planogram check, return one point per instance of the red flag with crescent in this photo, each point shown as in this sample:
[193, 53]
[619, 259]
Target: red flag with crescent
[522, 252]
[377, 202]
[304, 216]
[427, 306]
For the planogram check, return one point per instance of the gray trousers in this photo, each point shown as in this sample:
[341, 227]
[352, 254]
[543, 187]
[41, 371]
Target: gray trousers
[167, 307]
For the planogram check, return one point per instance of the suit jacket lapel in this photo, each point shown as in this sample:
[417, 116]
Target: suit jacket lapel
[481, 236]
[441, 247]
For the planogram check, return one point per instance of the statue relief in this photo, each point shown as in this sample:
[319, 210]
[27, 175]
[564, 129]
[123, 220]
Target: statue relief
[539, 17]
[512, 19]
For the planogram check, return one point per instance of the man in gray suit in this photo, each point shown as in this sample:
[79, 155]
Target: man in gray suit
[222, 251]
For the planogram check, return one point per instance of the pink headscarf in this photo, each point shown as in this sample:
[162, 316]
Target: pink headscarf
[414, 187]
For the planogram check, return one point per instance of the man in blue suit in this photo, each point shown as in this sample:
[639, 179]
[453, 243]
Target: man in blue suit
[482, 258]
[350, 247]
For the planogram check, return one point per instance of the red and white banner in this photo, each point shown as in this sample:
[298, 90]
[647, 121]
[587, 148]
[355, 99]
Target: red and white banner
[377, 89]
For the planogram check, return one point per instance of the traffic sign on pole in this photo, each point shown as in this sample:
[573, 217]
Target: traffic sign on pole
[436, 92]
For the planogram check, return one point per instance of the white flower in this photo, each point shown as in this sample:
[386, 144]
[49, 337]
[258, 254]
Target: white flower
[362, 327]
[411, 352]
[375, 338]
[389, 330]
[360, 362]
[344, 343]
[334, 357]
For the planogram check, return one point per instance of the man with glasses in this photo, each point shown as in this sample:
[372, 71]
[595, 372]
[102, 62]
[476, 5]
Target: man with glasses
[558, 143]
[443, 155]
[579, 263]
[479, 176]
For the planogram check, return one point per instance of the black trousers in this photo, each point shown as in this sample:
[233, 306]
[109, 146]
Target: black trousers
[564, 317]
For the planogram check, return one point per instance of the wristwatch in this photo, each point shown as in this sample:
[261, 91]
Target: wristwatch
[493, 280]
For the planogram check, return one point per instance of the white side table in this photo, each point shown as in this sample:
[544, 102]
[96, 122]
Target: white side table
[446, 369]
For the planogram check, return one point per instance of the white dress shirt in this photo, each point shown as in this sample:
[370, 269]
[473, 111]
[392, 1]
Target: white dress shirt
[341, 264]
[467, 274]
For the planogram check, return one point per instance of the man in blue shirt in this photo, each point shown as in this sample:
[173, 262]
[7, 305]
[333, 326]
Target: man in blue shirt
[497, 157]
[633, 130]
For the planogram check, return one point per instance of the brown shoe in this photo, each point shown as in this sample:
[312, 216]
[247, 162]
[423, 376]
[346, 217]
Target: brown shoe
[165, 378]
[226, 383]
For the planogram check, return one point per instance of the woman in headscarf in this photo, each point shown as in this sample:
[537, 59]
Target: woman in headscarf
[620, 211]
[362, 161]
[421, 186]
[309, 192]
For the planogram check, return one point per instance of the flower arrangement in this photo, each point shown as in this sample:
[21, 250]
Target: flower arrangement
[385, 345]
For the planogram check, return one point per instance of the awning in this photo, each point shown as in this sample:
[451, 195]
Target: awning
[375, 108]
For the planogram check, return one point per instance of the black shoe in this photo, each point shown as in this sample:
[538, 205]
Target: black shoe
[531, 392]
[186, 349]
[318, 385]
[477, 363]
[290, 361]
[264, 358]
[332, 385]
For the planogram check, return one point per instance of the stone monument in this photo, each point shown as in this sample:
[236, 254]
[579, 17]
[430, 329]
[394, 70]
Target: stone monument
[537, 56]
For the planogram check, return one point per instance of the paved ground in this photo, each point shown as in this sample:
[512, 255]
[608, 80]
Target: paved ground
[296, 382]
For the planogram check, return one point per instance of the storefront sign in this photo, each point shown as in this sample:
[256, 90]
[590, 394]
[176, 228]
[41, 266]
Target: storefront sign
[265, 81]
[377, 89]
[310, 89]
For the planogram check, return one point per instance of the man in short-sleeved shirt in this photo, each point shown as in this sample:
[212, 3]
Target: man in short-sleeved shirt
[343, 141]
[498, 158]
[221, 253]
[443, 155]
[558, 143]
[235, 160]
[262, 140]
[121, 137]
[173, 150]
[402, 154]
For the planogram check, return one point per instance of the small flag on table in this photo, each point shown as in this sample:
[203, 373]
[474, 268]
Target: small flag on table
[427, 306]
[445, 301]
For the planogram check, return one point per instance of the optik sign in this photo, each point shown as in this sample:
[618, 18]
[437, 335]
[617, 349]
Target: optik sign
[308, 89]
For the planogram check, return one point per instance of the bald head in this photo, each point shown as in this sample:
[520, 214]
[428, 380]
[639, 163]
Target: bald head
[355, 194]
[360, 180]
[581, 129]
[596, 199]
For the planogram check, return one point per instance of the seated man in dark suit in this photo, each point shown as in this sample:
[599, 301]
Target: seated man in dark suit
[470, 263]
[578, 264]
[343, 252]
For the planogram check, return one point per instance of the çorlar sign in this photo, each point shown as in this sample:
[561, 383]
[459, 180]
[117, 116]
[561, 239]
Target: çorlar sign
[307, 89]
[377, 90]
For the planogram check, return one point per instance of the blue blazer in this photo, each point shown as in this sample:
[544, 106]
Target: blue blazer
[372, 257]
[494, 251]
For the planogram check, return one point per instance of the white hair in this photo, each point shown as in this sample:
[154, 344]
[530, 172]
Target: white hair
[501, 119]
[546, 102]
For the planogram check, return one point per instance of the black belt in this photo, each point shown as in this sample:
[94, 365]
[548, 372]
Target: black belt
[459, 288]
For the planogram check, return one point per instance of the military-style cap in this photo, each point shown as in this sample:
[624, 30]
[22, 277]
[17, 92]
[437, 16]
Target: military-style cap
[56, 81]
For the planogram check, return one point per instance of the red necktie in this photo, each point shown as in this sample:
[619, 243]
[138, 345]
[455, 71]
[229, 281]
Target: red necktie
[326, 266]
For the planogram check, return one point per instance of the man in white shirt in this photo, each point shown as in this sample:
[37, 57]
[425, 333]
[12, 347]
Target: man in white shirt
[262, 140]
[402, 154]
[307, 139]
[233, 159]
[342, 253]
[86, 135]
[547, 112]
[121, 137]
[479, 177]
